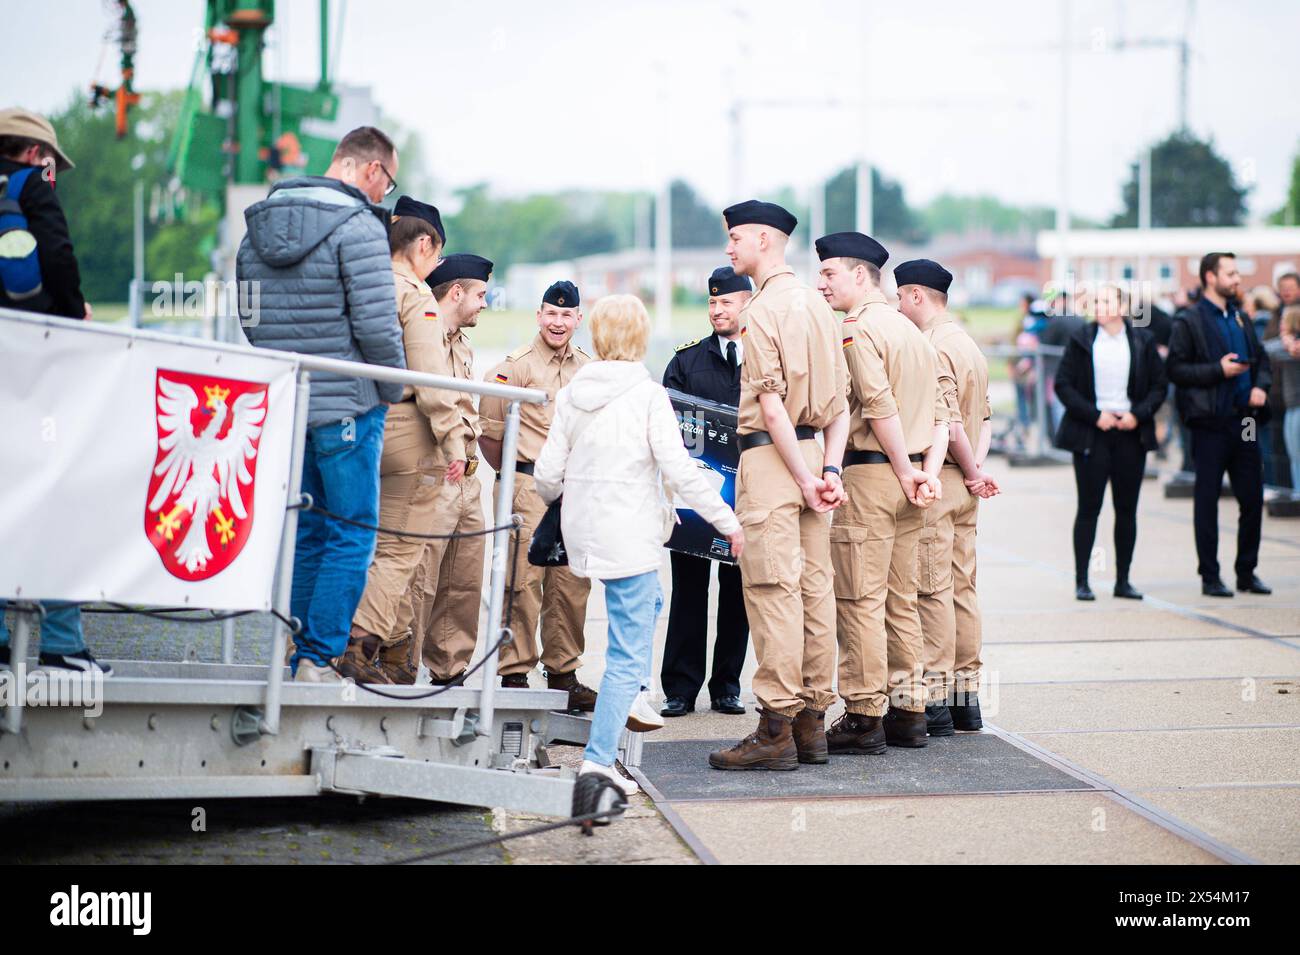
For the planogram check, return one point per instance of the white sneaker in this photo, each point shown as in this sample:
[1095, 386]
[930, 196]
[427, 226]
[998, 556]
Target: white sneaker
[628, 786]
[644, 718]
[311, 672]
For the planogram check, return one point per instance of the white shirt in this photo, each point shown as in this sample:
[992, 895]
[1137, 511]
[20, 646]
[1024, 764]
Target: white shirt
[1110, 365]
[740, 348]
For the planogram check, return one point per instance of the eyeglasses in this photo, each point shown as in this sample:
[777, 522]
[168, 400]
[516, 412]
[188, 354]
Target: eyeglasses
[392, 183]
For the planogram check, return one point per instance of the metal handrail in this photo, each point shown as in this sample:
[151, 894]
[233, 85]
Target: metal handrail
[305, 364]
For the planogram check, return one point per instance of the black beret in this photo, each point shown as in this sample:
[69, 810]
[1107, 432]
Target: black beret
[851, 245]
[406, 206]
[923, 272]
[724, 281]
[462, 265]
[562, 294]
[759, 213]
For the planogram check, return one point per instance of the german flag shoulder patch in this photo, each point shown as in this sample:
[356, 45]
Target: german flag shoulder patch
[848, 340]
[502, 377]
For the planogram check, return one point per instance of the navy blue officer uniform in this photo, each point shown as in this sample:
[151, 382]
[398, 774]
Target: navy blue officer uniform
[707, 368]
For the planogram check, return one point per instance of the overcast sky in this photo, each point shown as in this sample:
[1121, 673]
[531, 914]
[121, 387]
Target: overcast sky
[960, 97]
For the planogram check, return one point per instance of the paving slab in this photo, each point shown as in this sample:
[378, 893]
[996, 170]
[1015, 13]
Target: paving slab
[1035, 829]
[1279, 621]
[1117, 660]
[1163, 704]
[1097, 622]
[1260, 822]
[1149, 759]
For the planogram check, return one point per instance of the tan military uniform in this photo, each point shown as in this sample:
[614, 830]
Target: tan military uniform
[792, 350]
[892, 370]
[946, 601]
[555, 594]
[445, 597]
[411, 470]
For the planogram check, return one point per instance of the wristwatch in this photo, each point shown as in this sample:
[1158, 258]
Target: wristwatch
[831, 467]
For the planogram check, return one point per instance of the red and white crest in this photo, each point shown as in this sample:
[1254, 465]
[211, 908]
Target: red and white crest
[199, 510]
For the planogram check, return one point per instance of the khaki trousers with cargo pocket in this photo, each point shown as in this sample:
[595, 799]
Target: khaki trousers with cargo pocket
[935, 583]
[874, 537]
[408, 501]
[785, 572]
[970, 628]
[447, 592]
[555, 594]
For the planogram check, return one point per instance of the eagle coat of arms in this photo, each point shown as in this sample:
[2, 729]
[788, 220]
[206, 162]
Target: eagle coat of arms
[199, 509]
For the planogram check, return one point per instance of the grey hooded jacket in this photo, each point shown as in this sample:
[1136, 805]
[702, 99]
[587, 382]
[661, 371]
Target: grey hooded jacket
[319, 253]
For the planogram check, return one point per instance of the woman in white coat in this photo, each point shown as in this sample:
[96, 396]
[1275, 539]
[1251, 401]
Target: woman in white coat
[616, 454]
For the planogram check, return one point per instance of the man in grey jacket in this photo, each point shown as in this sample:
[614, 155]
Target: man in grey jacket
[317, 247]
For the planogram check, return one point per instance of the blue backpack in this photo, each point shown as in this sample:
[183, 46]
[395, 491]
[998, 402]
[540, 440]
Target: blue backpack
[20, 268]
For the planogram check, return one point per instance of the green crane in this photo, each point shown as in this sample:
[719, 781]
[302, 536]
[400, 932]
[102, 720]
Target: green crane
[250, 130]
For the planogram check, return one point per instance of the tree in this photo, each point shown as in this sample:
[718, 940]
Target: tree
[98, 197]
[1289, 214]
[695, 225]
[892, 218]
[1191, 185]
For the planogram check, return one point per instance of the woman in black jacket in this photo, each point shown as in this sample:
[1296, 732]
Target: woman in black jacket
[1111, 381]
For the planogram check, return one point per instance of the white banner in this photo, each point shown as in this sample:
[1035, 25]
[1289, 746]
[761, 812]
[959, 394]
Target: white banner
[137, 471]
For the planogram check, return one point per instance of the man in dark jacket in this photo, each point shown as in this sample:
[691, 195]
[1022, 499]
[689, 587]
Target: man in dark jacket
[29, 150]
[1222, 375]
[708, 368]
[317, 254]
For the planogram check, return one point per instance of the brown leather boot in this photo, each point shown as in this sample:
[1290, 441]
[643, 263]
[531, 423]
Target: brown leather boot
[514, 681]
[360, 660]
[582, 699]
[809, 731]
[856, 735]
[396, 663]
[771, 746]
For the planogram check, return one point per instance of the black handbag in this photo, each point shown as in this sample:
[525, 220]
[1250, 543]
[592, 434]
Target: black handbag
[547, 547]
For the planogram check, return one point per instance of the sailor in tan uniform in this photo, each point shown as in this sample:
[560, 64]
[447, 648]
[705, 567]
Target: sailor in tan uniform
[946, 600]
[897, 437]
[444, 599]
[793, 385]
[558, 596]
[408, 466]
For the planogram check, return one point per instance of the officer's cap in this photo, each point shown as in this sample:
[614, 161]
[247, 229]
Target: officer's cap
[562, 295]
[851, 245]
[924, 272]
[406, 206]
[759, 213]
[724, 281]
[462, 265]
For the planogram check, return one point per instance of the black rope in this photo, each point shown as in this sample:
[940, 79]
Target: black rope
[497, 840]
[457, 681]
[308, 504]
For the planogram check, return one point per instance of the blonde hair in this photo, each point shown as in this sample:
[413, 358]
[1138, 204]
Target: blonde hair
[1265, 298]
[1291, 320]
[620, 328]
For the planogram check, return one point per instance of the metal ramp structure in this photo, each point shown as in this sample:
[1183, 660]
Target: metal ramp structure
[167, 730]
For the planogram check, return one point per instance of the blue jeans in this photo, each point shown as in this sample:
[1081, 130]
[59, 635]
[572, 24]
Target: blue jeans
[633, 604]
[60, 630]
[340, 470]
[1291, 432]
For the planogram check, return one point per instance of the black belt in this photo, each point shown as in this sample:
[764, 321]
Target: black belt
[524, 467]
[875, 457]
[756, 439]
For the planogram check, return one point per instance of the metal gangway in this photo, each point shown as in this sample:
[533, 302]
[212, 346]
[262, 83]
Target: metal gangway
[183, 729]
